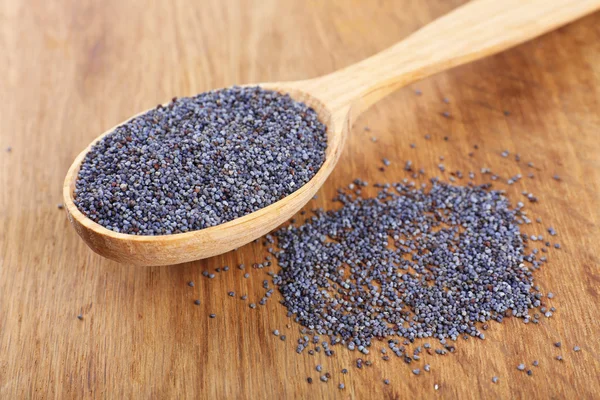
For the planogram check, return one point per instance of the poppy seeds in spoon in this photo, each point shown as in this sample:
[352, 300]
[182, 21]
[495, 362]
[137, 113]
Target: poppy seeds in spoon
[200, 161]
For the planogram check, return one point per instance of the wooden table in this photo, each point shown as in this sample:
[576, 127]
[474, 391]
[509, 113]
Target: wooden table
[72, 69]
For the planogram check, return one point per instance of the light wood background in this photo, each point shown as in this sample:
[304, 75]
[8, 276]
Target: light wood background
[70, 69]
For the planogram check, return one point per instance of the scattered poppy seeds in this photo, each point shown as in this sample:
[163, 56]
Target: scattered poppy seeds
[410, 262]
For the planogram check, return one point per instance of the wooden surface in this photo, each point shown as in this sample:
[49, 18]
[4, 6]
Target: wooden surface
[73, 69]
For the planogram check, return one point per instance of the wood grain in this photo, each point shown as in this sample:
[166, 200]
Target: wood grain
[71, 69]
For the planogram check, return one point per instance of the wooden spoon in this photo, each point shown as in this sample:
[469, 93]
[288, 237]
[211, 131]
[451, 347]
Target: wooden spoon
[473, 31]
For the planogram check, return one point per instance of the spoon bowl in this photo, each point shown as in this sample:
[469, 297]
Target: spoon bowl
[194, 245]
[472, 31]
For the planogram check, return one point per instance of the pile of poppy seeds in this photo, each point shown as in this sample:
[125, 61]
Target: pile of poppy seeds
[200, 161]
[417, 261]
[410, 262]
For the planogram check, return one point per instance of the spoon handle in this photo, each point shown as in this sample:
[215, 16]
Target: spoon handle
[470, 32]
